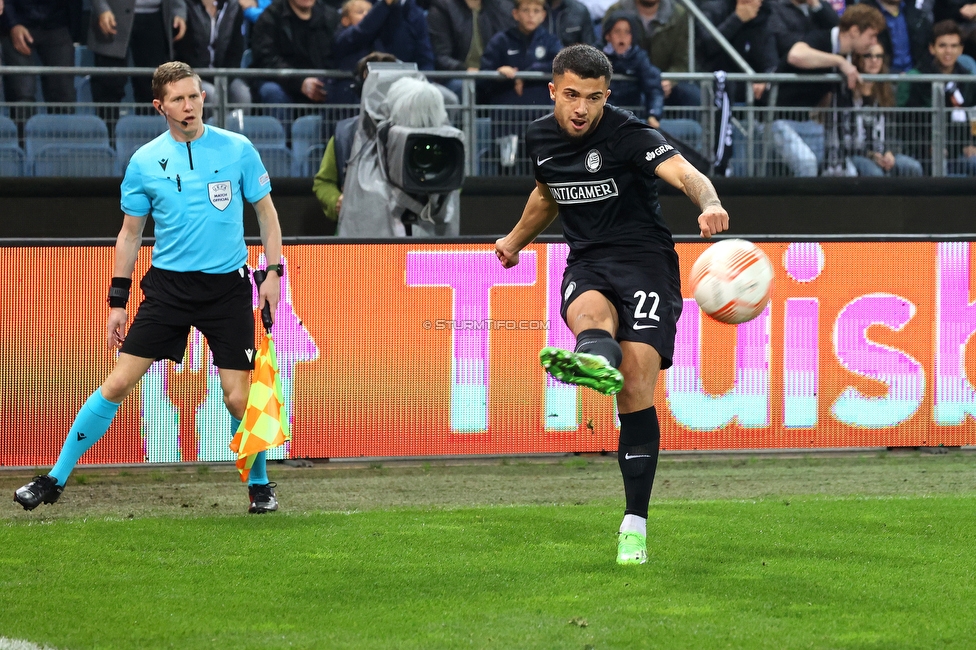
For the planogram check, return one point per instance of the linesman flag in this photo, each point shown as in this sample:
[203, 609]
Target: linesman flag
[265, 423]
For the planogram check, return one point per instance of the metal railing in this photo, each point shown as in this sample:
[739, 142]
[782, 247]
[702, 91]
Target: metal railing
[495, 146]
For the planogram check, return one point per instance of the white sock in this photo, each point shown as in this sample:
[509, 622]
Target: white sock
[633, 524]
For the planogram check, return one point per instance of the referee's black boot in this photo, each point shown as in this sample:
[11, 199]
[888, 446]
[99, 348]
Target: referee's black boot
[262, 498]
[43, 489]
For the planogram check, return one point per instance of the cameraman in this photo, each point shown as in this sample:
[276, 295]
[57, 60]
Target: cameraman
[332, 172]
[406, 165]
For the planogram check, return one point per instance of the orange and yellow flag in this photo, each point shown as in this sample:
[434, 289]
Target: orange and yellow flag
[265, 423]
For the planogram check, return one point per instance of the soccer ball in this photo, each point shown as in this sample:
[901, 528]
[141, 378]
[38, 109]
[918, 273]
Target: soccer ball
[731, 281]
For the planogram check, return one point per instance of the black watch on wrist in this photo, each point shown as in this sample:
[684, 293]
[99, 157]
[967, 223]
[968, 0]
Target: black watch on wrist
[277, 268]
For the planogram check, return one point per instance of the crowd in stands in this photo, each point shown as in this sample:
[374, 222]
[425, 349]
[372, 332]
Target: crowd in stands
[643, 38]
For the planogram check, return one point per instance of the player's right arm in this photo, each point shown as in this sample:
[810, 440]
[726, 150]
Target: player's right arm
[540, 211]
[127, 246]
[681, 174]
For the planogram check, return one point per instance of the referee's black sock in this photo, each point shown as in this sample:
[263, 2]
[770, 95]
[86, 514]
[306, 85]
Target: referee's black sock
[602, 343]
[640, 443]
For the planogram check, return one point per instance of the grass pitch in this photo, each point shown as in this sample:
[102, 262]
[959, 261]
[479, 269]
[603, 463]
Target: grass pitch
[870, 551]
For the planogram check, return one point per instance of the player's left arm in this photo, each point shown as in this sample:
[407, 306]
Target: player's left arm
[270, 290]
[680, 173]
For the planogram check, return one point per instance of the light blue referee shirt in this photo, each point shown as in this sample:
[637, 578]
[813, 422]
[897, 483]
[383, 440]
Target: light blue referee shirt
[195, 192]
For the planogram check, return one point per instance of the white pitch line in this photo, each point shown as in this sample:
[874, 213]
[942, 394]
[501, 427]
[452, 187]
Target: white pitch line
[18, 644]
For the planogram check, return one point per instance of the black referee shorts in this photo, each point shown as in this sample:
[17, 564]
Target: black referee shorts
[645, 290]
[220, 305]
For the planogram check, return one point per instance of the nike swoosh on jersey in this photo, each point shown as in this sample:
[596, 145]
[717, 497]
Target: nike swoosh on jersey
[512, 52]
[629, 456]
[638, 326]
[540, 161]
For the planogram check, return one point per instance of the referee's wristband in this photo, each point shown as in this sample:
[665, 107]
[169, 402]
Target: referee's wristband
[277, 268]
[118, 292]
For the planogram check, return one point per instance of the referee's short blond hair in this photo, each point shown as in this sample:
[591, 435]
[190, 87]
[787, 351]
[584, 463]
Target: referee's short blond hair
[167, 73]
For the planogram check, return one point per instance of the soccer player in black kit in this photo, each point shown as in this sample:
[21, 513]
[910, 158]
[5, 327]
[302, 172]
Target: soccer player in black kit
[595, 165]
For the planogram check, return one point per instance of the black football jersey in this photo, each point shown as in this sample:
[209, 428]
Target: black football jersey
[604, 182]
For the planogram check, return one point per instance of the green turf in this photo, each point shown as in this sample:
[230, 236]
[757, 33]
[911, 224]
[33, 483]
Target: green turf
[802, 572]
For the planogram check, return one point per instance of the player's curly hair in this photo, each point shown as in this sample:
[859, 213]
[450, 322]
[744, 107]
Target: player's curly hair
[585, 61]
[167, 73]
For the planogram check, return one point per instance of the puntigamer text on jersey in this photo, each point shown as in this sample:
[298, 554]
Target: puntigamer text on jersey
[583, 192]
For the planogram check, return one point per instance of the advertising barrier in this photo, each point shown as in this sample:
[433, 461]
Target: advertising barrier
[420, 349]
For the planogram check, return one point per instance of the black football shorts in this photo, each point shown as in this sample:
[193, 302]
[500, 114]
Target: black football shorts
[219, 305]
[645, 290]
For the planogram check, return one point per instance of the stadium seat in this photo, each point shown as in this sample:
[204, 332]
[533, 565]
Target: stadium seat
[484, 148]
[84, 58]
[268, 136]
[73, 137]
[739, 162]
[78, 160]
[133, 131]
[307, 145]
[810, 132]
[687, 130]
[11, 155]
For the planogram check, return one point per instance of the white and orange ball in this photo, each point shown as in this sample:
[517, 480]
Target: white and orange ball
[731, 281]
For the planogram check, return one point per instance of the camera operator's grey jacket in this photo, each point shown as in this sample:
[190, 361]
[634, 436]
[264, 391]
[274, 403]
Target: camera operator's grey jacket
[372, 206]
[117, 45]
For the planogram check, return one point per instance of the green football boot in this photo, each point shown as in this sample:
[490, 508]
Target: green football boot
[589, 370]
[631, 548]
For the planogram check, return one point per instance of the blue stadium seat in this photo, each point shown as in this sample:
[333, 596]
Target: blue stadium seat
[268, 136]
[307, 145]
[11, 155]
[739, 162]
[810, 132]
[77, 160]
[687, 130]
[133, 131]
[75, 139]
[84, 58]
[482, 167]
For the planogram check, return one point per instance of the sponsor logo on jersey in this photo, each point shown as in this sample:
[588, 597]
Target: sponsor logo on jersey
[593, 161]
[163, 163]
[220, 194]
[583, 191]
[264, 180]
[651, 155]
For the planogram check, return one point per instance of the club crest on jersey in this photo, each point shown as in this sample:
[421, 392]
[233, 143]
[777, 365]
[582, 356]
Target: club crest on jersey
[540, 51]
[220, 194]
[593, 161]
[583, 191]
[651, 155]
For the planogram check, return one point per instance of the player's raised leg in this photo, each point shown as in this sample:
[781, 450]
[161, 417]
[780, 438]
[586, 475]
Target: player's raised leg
[91, 423]
[236, 385]
[640, 444]
[595, 360]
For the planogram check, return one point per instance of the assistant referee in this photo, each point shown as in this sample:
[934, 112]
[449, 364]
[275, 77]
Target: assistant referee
[193, 179]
